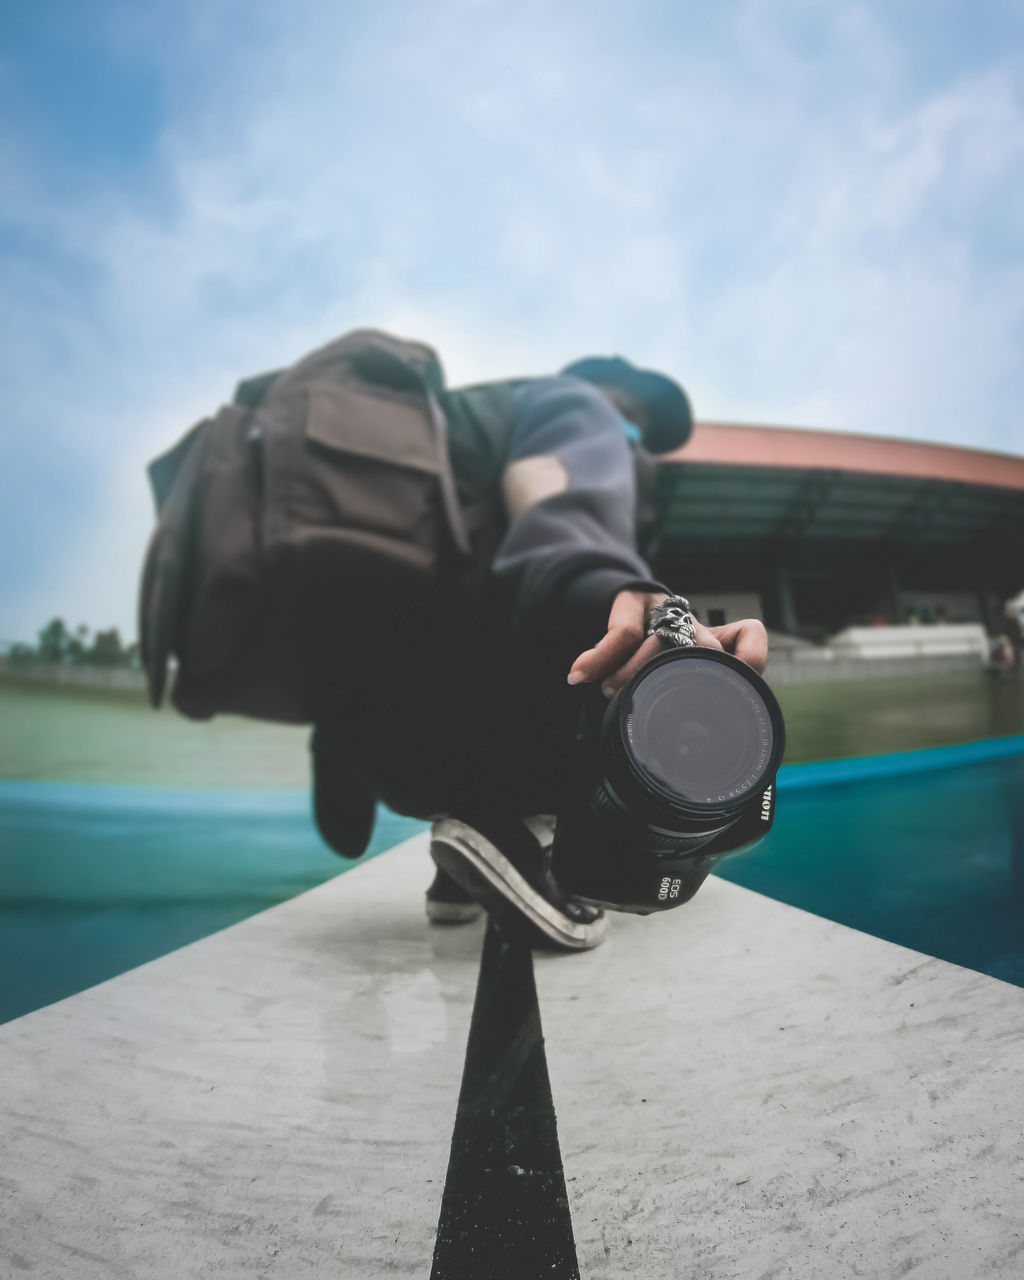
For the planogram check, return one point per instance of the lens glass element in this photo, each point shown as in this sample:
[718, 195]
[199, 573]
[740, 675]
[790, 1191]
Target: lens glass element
[700, 730]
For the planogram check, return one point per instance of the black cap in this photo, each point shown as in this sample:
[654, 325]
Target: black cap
[669, 417]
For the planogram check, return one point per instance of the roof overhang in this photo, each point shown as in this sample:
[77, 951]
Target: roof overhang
[822, 500]
[792, 447]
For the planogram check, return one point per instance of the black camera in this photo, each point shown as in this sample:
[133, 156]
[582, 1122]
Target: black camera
[675, 771]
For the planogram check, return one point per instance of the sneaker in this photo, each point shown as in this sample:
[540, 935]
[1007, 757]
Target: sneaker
[449, 903]
[505, 866]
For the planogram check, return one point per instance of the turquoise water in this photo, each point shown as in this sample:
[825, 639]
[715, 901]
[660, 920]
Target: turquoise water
[923, 848]
[97, 879]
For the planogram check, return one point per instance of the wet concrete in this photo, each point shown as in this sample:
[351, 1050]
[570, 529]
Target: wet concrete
[752, 1091]
[741, 1089]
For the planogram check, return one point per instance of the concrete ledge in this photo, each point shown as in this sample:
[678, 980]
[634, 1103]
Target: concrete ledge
[121, 678]
[824, 667]
[750, 1091]
[742, 1090]
[933, 640]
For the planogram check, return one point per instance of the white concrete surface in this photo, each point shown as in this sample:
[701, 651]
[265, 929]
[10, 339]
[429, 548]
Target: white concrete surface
[933, 640]
[275, 1100]
[746, 1090]
[743, 1090]
[734, 604]
[89, 677]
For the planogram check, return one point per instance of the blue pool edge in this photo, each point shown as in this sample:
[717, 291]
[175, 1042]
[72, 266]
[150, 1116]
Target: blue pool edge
[820, 773]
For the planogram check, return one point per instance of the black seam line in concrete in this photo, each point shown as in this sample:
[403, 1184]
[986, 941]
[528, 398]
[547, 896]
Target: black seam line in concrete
[505, 1212]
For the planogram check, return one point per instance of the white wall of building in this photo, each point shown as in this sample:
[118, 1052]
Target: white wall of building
[733, 604]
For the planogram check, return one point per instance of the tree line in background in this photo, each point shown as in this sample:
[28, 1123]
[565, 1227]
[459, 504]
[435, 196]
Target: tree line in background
[58, 644]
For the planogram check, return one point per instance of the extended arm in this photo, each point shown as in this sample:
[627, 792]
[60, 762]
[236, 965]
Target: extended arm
[570, 495]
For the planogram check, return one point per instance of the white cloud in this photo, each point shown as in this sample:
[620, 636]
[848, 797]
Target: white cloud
[757, 201]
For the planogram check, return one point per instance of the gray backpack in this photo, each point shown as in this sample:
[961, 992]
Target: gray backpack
[321, 493]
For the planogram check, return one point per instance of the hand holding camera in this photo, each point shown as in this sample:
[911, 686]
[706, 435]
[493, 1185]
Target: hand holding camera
[626, 647]
[676, 770]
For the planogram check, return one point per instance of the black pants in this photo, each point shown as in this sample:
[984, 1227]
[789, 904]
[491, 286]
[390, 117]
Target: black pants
[454, 713]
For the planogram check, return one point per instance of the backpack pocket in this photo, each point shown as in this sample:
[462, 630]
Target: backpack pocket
[366, 470]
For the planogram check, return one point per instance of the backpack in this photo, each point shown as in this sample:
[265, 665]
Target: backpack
[321, 491]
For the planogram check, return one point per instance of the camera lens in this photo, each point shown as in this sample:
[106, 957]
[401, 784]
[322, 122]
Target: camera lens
[701, 730]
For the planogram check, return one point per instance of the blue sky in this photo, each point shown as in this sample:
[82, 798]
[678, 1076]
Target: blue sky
[809, 213]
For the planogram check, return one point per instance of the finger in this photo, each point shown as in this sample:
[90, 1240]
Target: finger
[705, 637]
[650, 648]
[747, 639]
[611, 651]
[625, 634]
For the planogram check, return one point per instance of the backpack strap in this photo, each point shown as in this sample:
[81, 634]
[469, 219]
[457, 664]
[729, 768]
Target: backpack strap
[174, 478]
[446, 477]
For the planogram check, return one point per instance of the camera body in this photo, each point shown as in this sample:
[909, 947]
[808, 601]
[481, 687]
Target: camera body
[676, 771]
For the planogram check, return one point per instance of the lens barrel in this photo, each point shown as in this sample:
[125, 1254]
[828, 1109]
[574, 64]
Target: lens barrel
[691, 739]
[672, 774]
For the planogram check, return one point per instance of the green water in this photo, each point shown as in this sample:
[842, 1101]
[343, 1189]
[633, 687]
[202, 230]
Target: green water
[125, 833]
[873, 717]
[68, 734]
[79, 735]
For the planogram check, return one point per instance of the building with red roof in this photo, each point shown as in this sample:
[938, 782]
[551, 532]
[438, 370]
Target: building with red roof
[830, 529]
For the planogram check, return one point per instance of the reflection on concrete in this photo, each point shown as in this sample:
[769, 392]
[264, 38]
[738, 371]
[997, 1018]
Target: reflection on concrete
[276, 1099]
[742, 1089]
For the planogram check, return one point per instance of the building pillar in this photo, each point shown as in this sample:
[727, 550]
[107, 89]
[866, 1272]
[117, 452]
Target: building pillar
[895, 605]
[992, 616]
[784, 589]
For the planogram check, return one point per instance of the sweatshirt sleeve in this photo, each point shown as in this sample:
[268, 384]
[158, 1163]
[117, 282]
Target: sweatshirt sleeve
[569, 489]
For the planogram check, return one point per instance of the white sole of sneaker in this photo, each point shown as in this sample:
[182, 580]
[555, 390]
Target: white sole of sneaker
[453, 912]
[489, 862]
